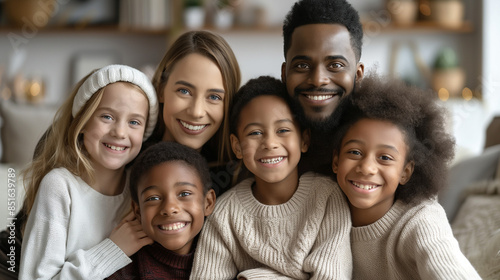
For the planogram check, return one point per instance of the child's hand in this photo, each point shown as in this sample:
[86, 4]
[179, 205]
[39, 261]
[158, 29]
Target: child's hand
[129, 236]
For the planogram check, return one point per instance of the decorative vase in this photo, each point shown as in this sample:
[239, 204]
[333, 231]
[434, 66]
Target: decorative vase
[35, 13]
[194, 17]
[403, 12]
[447, 13]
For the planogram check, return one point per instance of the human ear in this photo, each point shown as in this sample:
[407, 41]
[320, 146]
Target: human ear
[209, 202]
[306, 140]
[137, 210]
[283, 72]
[235, 145]
[335, 162]
[407, 172]
[360, 72]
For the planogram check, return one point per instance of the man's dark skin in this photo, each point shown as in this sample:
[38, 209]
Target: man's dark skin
[320, 67]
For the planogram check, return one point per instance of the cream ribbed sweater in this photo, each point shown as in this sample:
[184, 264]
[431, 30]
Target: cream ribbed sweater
[66, 233]
[306, 237]
[409, 243]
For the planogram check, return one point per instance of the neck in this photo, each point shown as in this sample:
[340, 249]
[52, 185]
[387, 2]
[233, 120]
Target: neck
[108, 182]
[363, 217]
[278, 192]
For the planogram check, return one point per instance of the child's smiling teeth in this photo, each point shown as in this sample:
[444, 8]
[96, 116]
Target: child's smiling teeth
[192, 127]
[363, 186]
[174, 226]
[319, 97]
[271, 160]
[115, 147]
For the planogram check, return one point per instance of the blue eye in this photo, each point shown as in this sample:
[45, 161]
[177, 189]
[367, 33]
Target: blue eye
[214, 97]
[107, 117]
[134, 123]
[283, 130]
[255, 133]
[183, 91]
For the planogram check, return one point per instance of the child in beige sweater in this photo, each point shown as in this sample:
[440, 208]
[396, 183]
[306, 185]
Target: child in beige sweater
[275, 224]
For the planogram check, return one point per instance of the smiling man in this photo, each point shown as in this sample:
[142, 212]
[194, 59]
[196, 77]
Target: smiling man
[322, 47]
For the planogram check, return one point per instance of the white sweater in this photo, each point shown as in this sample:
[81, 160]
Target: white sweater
[66, 232]
[409, 242]
[306, 237]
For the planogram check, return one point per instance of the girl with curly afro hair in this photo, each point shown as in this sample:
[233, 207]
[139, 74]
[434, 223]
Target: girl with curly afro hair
[391, 154]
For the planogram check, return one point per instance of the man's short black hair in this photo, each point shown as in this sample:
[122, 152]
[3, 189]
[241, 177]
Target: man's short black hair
[324, 11]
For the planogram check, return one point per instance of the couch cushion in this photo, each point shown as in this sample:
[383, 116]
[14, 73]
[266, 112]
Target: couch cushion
[23, 125]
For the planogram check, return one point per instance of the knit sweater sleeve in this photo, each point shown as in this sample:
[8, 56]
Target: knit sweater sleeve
[213, 256]
[331, 257]
[44, 251]
[437, 252]
[262, 273]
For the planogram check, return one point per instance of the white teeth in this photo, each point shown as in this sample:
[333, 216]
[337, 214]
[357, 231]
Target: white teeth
[364, 187]
[115, 147]
[192, 127]
[271, 160]
[319, 97]
[174, 226]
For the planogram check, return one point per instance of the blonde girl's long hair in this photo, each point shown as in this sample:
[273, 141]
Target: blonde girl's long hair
[216, 48]
[61, 146]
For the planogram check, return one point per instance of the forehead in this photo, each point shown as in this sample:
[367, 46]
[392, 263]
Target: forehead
[266, 106]
[377, 132]
[166, 175]
[320, 39]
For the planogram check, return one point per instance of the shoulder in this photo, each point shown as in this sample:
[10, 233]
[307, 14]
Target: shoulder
[233, 195]
[424, 219]
[57, 182]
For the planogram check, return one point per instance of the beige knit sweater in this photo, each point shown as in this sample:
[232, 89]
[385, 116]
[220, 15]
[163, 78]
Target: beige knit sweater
[306, 237]
[409, 242]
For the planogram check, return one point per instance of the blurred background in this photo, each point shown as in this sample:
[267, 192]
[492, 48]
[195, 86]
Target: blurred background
[47, 45]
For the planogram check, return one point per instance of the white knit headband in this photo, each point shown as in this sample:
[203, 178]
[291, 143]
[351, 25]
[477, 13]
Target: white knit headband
[118, 73]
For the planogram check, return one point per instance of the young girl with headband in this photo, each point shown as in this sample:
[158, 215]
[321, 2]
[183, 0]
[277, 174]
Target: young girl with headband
[76, 194]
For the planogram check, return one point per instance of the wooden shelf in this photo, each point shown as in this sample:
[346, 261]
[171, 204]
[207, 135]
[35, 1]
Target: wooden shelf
[424, 26]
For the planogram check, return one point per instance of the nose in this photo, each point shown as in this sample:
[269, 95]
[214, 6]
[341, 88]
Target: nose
[119, 130]
[170, 206]
[367, 166]
[270, 141]
[318, 77]
[197, 108]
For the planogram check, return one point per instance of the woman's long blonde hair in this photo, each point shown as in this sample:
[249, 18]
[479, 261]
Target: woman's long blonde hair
[61, 146]
[214, 47]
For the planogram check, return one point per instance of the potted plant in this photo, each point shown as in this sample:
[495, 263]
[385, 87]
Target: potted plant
[403, 12]
[194, 14]
[224, 14]
[447, 73]
[448, 13]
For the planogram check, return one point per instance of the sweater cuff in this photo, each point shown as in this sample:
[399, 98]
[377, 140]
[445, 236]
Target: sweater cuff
[107, 257]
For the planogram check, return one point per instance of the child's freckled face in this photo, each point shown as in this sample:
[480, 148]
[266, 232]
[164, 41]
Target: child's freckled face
[172, 206]
[371, 164]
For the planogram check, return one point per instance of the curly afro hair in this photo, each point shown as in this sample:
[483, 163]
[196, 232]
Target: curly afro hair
[263, 85]
[164, 152]
[421, 121]
[324, 11]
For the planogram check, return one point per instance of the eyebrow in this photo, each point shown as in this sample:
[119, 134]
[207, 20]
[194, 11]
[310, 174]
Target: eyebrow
[115, 111]
[188, 84]
[178, 184]
[379, 146]
[276, 122]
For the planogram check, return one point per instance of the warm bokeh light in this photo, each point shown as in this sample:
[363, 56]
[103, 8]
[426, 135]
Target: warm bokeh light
[443, 94]
[425, 9]
[35, 89]
[467, 94]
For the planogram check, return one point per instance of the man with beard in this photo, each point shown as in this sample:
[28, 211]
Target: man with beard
[322, 47]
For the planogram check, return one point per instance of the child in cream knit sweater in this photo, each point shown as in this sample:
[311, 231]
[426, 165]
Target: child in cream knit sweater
[275, 224]
[391, 160]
